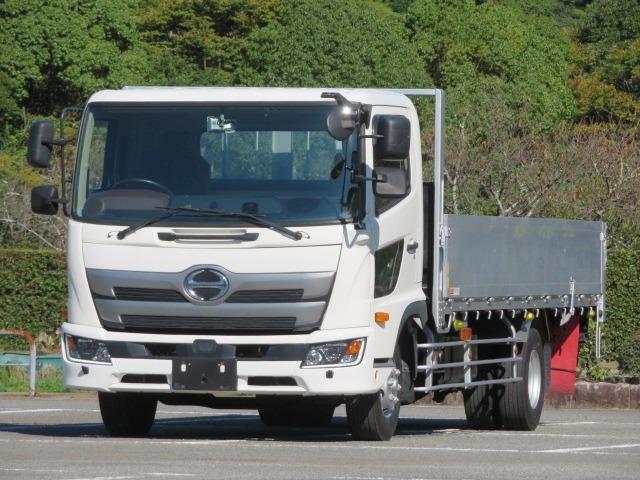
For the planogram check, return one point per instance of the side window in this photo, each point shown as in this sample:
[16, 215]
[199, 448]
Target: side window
[391, 156]
[387, 269]
[97, 156]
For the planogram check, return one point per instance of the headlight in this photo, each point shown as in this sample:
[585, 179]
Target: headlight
[86, 350]
[347, 352]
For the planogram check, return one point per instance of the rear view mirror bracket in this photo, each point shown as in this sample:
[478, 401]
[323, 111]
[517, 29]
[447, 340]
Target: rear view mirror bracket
[40, 148]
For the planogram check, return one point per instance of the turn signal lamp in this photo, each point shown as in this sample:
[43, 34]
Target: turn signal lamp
[382, 317]
[465, 334]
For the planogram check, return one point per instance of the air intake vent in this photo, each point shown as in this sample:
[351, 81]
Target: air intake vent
[131, 378]
[208, 324]
[148, 294]
[272, 381]
[266, 296]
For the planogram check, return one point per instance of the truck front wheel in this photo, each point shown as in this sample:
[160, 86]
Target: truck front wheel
[127, 414]
[375, 417]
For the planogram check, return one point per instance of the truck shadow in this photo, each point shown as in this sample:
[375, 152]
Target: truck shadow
[233, 427]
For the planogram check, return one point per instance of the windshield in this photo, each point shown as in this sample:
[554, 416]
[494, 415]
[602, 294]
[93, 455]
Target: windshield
[277, 162]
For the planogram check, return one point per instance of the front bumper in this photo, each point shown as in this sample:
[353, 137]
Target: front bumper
[362, 378]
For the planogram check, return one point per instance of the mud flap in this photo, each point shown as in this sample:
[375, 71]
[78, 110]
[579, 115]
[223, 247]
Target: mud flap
[564, 357]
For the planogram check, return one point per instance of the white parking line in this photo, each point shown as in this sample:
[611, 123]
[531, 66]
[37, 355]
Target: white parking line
[141, 475]
[586, 449]
[46, 410]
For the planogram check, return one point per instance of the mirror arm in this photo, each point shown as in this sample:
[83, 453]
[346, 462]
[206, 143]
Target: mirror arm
[375, 178]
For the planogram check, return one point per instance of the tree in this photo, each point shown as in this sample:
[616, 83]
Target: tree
[199, 41]
[58, 51]
[607, 57]
[480, 52]
[333, 43]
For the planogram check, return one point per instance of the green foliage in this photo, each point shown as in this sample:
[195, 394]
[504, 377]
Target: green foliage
[622, 329]
[59, 51]
[199, 41]
[607, 59]
[33, 290]
[332, 43]
[494, 60]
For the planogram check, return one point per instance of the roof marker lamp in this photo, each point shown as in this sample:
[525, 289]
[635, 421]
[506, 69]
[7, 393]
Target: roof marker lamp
[342, 353]
[80, 349]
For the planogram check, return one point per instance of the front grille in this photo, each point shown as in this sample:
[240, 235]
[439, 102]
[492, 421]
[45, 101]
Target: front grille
[158, 323]
[266, 296]
[241, 296]
[148, 294]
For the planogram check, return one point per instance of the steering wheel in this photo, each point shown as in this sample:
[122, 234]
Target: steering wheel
[145, 181]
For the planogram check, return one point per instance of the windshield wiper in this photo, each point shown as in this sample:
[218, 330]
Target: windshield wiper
[210, 213]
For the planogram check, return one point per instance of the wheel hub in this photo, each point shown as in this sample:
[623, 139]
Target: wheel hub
[534, 380]
[390, 391]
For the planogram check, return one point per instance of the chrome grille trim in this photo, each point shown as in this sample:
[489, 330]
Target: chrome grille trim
[241, 296]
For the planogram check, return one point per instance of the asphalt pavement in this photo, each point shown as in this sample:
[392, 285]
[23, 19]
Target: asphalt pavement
[62, 438]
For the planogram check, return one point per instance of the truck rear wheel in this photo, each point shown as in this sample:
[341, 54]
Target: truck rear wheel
[481, 404]
[375, 417]
[521, 403]
[297, 416]
[127, 414]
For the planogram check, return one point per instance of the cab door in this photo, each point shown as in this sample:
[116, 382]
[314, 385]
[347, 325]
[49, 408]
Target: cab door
[397, 224]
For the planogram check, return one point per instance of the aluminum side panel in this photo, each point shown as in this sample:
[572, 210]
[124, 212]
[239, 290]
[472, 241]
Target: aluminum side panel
[503, 257]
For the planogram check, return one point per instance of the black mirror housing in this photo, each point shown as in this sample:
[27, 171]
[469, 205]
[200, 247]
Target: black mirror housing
[44, 200]
[392, 182]
[40, 140]
[395, 140]
[340, 125]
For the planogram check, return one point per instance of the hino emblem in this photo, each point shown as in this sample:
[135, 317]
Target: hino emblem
[206, 285]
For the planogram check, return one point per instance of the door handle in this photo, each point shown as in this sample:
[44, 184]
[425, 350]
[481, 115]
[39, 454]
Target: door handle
[412, 246]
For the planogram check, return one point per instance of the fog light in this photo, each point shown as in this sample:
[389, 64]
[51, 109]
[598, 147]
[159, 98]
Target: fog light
[86, 350]
[347, 352]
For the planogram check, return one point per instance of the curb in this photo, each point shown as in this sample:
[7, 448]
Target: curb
[587, 395]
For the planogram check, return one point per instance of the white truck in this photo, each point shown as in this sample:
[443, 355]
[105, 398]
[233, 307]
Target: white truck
[277, 249]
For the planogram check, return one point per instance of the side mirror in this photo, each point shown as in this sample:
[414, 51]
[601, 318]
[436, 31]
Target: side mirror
[395, 140]
[40, 140]
[392, 182]
[340, 124]
[44, 200]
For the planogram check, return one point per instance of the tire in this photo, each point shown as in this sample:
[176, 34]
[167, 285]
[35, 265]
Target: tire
[481, 404]
[521, 404]
[127, 414]
[371, 417]
[305, 416]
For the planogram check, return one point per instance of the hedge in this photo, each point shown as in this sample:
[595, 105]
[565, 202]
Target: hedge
[33, 292]
[33, 296]
[621, 331]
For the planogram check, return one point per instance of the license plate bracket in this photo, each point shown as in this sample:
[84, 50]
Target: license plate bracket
[205, 373]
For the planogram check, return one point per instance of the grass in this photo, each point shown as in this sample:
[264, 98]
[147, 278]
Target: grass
[16, 379]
